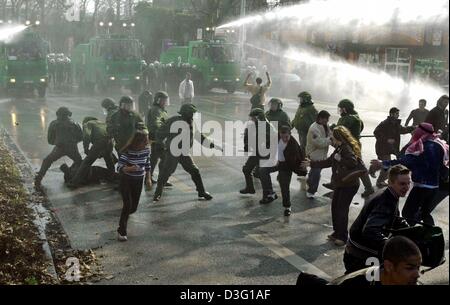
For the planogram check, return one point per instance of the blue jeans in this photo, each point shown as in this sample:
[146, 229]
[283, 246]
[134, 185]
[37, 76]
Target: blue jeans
[313, 180]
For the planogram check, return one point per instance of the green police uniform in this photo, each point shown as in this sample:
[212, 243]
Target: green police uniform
[278, 115]
[64, 134]
[171, 161]
[350, 119]
[94, 132]
[122, 126]
[156, 117]
[306, 115]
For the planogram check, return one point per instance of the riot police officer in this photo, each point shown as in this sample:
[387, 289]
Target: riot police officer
[186, 115]
[64, 134]
[122, 125]
[156, 117]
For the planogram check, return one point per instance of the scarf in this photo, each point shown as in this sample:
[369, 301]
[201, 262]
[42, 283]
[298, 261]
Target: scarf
[425, 132]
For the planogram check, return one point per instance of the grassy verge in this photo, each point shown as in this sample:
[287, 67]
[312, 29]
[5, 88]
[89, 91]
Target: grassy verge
[22, 258]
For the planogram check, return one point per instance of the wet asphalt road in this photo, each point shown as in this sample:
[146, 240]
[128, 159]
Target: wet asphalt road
[180, 240]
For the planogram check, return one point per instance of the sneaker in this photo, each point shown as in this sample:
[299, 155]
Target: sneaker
[382, 184]
[339, 242]
[268, 199]
[154, 181]
[328, 186]
[205, 196]
[309, 195]
[367, 193]
[156, 197]
[331, 237]
[168, 184]
[247, 191]
[121, 237]
[287, 212]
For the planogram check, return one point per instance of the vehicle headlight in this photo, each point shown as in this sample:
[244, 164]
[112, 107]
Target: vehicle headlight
[112, 78]
[138, 77]
[12, 80]
[238, 79]
[216, 79]
[42, 80]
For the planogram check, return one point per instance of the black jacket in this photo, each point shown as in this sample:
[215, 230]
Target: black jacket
[342, 161]
[390, 128]
[438, 118]
[294, 156]
[249, 145]
[370, 230]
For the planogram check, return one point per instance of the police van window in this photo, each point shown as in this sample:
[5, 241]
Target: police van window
[195, 52]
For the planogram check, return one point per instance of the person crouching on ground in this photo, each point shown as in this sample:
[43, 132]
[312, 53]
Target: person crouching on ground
[134, 164]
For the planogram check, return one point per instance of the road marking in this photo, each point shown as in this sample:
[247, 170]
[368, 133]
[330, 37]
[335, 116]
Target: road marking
[288, 255]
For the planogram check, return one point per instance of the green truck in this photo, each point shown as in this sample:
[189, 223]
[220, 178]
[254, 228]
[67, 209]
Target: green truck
[107, 62]
[23, 63]
[214, 63]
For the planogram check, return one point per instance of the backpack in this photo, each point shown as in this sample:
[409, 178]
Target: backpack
[429, 239]
[256, 99]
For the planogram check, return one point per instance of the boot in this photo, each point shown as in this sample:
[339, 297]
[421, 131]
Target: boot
[249, 186]
[205, 196]
[37, 181]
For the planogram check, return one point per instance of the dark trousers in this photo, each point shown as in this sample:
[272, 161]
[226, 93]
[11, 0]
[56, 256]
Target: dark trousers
[284, 177]
[419, 205]
[96, 152]
[365, 179]
[57, 153]
[130, 189]
[353, 263]
[170, 165]
[340, 205]
[249, 166]
[302, 136]
[156, 155]
[313, 179]
[383, 172]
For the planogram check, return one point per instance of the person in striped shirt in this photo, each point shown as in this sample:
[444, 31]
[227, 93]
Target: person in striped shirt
[133, 166]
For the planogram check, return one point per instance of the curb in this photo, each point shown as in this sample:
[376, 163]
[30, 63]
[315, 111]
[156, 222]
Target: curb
[40, 213]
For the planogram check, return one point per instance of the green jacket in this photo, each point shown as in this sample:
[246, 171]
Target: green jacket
[353, 123]
[110, 112]
[121, 127]
[156, 117]
[94, 132]
[305, 116]
[279, 116]
[64, 132]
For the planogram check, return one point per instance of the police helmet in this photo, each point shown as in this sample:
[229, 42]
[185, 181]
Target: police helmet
[108, 103]
[158, 96]
[257, 113]
[187, 110]
[126, 100]
[63, 112]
